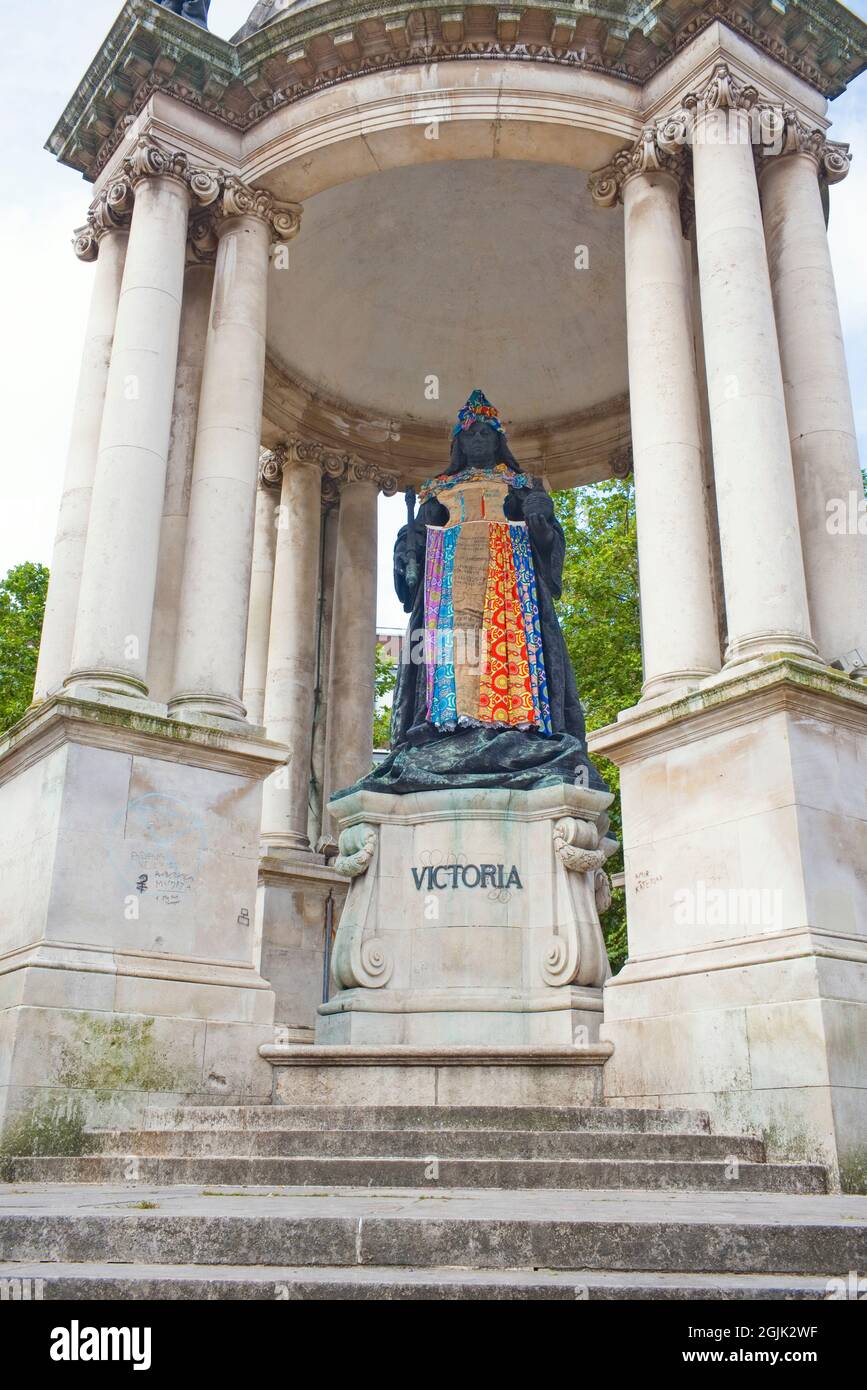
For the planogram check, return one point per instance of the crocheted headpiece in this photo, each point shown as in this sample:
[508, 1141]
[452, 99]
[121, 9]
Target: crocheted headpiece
[478, 407]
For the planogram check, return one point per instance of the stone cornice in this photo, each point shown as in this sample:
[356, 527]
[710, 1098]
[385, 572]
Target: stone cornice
[216, 196]
[783, 686]
[149, 49]
[64, 718]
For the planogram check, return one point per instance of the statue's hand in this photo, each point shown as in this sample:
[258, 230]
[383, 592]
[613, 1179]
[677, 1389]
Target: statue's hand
[537, 503]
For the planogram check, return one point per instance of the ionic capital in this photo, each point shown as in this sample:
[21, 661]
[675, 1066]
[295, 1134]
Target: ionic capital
[111, 211]
[241, 200]
[271, 463]
[202, 237]
[649, 155]
[148, 160]
[337, 468]
[215, 198]
[790, 135]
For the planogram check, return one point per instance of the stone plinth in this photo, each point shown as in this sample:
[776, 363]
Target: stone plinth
[472, 919]
[293, 898]
[129, 951]
[745, 833]
[438, 1076]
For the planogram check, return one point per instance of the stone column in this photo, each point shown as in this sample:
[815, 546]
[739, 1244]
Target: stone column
[679, 635]
[212, 624]
[818, 399]
[115, 608]
[292, 656]
[103, 240]
[116, 597]
[349, 740]
[317, 826]
[763, 567]
[198, 289]
[261, 585]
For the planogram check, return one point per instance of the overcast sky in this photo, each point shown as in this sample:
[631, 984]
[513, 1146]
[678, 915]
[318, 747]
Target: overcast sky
[47, 45]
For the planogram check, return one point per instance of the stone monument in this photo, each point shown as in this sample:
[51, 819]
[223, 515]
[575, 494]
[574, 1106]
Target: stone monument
[621, 224]
[475, 850]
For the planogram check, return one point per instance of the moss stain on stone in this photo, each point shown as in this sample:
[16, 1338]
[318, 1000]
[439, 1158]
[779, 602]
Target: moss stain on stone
[48, 1128]
[109, 1054]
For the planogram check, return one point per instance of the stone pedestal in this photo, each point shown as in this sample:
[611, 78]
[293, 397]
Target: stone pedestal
[129, 955]
[745, 834]
[472, 919]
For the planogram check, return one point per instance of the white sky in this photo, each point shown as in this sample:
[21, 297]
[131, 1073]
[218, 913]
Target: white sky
[47, 45]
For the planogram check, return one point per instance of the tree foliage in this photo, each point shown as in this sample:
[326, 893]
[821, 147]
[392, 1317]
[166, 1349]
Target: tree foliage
[599, 614]
[385, 675]
[22, 608]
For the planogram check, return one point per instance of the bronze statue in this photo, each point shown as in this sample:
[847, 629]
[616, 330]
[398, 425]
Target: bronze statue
[195, 10]
[485, 695]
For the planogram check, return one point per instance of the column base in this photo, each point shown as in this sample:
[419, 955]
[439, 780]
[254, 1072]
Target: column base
[80, 683]
[745, 832]
[673, 683]
[201, 708]
[771, 645]
[128, 947]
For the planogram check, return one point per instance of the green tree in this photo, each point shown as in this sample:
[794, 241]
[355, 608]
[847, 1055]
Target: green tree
[22, 608]
[385, 675]
[599, 614]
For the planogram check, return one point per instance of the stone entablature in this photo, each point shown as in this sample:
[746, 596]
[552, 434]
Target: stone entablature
[151, 50]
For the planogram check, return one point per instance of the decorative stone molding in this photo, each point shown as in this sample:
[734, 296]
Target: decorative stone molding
[149, 160]
[575, 954]
[621, 462]
[647, 156]
[575, 842]
[722, 92]
[240, 200]
[358, 862]
[301, 49]
[202, 238]
[271, 463]
[792, 135]
[774, 132]
[360, 958]
[337, 468]
[110, 212]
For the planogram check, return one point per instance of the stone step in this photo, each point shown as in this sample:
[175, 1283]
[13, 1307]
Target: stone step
[423, 1143]
[737, 1232]
[133, 1282]
[428, 1117]
[511, 1174]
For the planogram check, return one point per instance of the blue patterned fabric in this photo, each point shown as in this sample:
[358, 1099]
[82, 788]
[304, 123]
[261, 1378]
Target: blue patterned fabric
[444, 705]
[526, 581]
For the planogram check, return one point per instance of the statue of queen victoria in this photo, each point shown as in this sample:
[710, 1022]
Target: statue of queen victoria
[485, 695]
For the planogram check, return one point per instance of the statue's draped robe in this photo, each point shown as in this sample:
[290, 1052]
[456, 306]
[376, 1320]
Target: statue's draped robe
[530, 752]
[547, 546]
